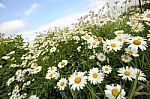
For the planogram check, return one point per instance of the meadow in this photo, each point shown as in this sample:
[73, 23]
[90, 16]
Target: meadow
[103, 56]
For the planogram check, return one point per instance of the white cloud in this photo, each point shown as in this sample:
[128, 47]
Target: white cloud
[97, 4]
[2, 5]
[64, 21]
[32, 9]
[61, 22]
[12, 26]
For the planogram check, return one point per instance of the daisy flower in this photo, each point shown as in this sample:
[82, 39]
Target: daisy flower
[10, 80]
[33, 97]
[137, 42]
[106, 69]
[5, 57]
[14, 96]
[52, 69]
[1, 66]
[113, 92]
[120, 38]
[79, 49]
[105, 44]
[62, 64]
[126, 37]
[127, 73]
[138, 28]
[146, 15]
[133, 22]
[141, 76]
[137, 16]
[62, 83]
[56, 75]
[132, 52]
[101, 57]
[87, 37]
[76, 38]
[95, 76]
[77, 80]
[114, 45]
[93, 44]
[92, 57]
[53, 49]
[37, 69]
[102, 22]
[119, 32]
[49, 75]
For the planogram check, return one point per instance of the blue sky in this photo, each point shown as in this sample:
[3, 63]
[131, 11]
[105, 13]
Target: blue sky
[22, 16]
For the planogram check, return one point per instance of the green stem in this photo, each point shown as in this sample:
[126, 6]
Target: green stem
[92, 91]
[73, 95]
[140, 4]
[64, 95]
[121, 88]
[134, 86]
[102, 91]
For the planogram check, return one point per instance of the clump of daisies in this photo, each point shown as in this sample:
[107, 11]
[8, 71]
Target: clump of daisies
[129, 73]
[111, 45]
[93, 42]
[52, 73]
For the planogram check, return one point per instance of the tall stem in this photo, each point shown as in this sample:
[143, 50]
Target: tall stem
[140, 4]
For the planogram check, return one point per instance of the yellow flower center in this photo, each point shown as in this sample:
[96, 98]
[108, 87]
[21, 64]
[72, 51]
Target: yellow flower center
[62, 63]
[101, 56]
[50, 75]
[62, 83]
[126, 57]
[119, 32]
[137, 28]
[94, 43]
[51, 68]
[13, 97]
[101, 21]
[130, 52]
[137, 16]
[113, 45]
[106, 69]
[115, 92]
[66, 30]
[95, 75]
[99, 38]
[87, 37]
[127, 73]
[137, 42]
[37, 69]
[77, 80]
[120, 39]
[133, 22]
[148, 15]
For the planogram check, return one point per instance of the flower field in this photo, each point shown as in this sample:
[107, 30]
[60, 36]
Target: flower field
[102, 56]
